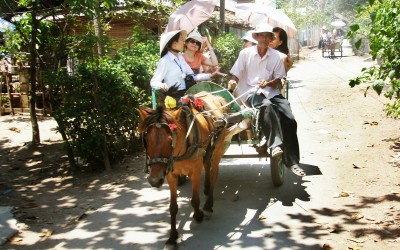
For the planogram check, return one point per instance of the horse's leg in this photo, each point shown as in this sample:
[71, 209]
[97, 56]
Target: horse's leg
[173, 208]
[207, 169]
[214, 165]
[195, 178]
[207, 208]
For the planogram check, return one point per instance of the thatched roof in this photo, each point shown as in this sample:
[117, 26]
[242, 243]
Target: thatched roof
[232, 20]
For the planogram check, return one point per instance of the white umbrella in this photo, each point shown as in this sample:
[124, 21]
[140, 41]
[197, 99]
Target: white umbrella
[4, 25]
[256, 14]
[338, 23]
[190, 15]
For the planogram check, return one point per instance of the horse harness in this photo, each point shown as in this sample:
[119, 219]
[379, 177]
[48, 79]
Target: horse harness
[192, 139]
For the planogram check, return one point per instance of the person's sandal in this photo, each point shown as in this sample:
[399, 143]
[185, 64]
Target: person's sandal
[277, 151]
[297, 170]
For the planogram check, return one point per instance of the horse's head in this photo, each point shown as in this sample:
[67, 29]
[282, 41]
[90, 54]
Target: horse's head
[158, 129]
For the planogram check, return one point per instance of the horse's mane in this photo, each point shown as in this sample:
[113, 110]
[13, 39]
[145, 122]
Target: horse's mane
[159, 115]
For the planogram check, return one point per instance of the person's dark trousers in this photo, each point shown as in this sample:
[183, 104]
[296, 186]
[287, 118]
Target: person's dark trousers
[291, 150]
[269, 119]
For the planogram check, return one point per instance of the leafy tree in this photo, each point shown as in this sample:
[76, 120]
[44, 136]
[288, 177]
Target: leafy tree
[227, 47]
[141, 59]
[308, 12]
[55, 44]
[36, 11]
[383, 33]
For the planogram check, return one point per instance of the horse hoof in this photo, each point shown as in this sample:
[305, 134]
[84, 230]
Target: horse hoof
[170, 245]
[198, 218]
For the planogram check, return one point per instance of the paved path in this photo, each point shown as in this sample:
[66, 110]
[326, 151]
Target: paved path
[8, 225]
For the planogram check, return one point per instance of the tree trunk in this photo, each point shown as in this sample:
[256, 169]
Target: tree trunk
[222, 16]
[322, 4]
[98, 30]
[32, 101]
[67, 146]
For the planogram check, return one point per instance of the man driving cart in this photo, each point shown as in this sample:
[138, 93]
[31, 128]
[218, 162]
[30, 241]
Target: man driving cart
[257, 73]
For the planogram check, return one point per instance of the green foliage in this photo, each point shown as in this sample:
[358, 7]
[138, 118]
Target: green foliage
[97, 107]
[17, 41]
[145, 12]
[47, 42]
[317, 12]
[384, 37]
[227, 48]
[141, 59]
[4, 99]
[309, 12]
[346, 8]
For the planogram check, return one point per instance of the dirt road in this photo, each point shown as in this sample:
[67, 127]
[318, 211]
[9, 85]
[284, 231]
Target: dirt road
[348, 200]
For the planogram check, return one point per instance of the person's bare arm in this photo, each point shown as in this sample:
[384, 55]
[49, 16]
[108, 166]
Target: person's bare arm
[212, 61]
[233, 82]
[217, 72]
[288, 63]
[273, 83]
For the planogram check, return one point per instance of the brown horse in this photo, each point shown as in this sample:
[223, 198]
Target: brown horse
[180, 142]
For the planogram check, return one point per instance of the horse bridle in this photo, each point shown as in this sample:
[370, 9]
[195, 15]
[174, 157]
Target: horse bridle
[165, 160]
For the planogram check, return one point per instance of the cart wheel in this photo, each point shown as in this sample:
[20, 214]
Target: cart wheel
[277, 170]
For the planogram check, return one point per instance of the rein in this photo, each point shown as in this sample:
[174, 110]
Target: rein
[193, 130]
[228, 103]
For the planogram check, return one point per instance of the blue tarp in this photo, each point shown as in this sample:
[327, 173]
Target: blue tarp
[6, 25]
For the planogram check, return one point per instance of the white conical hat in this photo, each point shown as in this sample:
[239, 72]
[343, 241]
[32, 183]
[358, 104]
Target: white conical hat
[196, 36]
[166, 36]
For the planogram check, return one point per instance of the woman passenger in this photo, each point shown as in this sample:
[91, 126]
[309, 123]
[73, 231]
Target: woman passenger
[195, 45]
[172, 68]
[280, 44]
[193, 52]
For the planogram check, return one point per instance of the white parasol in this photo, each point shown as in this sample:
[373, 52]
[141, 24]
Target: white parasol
[256, 14]
[338, 23]
[190, 15]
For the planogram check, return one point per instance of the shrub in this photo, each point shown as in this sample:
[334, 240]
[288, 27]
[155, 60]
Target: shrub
[227, 47]
[141, 59]
[97, 109]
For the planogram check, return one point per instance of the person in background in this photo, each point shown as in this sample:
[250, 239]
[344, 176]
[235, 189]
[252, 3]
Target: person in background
[280, 43]
[193, 52]
[328, 42]
[257, 73]
[324, 37]
[338, 34]
[172, 68]
[248, 39]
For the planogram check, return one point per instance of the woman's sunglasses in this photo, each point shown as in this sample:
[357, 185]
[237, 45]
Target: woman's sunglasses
[194, 41]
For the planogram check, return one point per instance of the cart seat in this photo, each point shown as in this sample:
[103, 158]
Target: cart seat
[215, 89]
